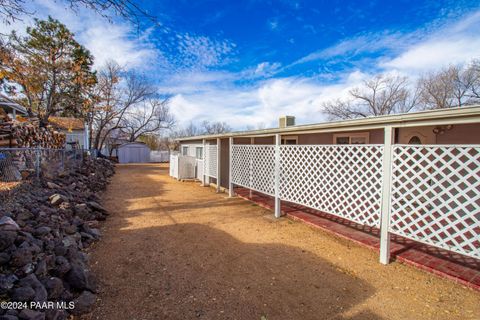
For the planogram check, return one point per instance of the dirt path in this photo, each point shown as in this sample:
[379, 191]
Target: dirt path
[174, 250]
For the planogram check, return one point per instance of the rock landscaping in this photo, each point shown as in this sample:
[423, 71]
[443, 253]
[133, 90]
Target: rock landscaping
[45, 228]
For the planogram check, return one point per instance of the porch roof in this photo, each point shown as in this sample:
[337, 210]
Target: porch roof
[470, 114]
[9, 105]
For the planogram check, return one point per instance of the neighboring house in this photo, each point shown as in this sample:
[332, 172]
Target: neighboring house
[74, 129]
[11, 107]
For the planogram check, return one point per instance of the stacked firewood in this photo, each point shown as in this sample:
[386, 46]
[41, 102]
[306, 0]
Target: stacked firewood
[5, 129]
[27, 133]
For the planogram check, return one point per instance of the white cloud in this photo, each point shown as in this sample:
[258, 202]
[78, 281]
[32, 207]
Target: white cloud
[273, 24]
[455, 43]
[260, 103]
[106, 41]
[435, 46]
[114, 42]
[202, 51]
[266, 69]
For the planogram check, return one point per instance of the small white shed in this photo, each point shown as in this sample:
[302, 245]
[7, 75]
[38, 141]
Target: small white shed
[133, 152]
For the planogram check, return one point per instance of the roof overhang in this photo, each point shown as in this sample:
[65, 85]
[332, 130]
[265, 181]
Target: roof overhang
[461, 115]
[12, 105]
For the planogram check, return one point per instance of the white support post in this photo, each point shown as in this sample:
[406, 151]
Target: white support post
[231, 193]
[204, 157]
[386, 190]
[219, 150]
[278, 210]
[250, 192]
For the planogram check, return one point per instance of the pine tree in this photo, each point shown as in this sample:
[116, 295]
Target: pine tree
[47, 70]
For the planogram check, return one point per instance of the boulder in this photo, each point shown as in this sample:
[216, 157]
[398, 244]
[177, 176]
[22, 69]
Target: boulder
[43, 230]
[41, 269]
[23, 294]
[7, 282]
[57, 199]
[8, 224]
[21, 257]
[81, 279]
[52, 185]
[8, 317]
[84, 303]
[54, 287]
[27, 314]
[56, 314]
[96, 206]
[7, 238]
[62, 265]
[4, 258]
[39, 289]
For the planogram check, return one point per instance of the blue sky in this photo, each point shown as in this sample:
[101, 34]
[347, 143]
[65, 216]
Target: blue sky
[247, 62]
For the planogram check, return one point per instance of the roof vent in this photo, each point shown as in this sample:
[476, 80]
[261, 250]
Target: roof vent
[286, 121]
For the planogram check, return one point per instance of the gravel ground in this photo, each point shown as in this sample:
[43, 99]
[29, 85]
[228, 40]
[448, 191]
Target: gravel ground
[175, 250]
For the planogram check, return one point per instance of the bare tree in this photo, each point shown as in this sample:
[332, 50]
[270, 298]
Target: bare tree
[474, 93]
[215, 127]
[258, 126]
[149, 118]
[117, 93]
[343, 109]
[439, 90]
[380, 95]
[454, 86]
[13, 10]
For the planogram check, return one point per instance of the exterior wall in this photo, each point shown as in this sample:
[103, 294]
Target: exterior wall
[192, 148]
[264, 140]
[457, 134]
[75, 136]
[241, 140]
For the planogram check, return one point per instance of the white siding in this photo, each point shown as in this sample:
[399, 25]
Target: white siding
[75, 136]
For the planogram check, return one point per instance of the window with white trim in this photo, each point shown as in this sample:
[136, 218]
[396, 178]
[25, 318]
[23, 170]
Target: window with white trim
[290, 140]
[351, 138]
[185, 150]
[199, 153]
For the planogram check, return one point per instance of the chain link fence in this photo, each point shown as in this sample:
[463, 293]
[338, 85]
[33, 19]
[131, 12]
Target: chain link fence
[24, 163]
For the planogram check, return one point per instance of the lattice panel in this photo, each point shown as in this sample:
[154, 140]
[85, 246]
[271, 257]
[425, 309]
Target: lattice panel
[210, 163]
[253, 167]
[174, 166]
[343, 180]
[436, 196]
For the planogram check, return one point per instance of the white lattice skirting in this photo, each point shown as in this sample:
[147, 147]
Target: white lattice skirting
[253, 167]
[210, 162]
[435, 196]
[345, 181]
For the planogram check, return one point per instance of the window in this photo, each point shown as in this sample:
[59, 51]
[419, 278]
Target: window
[415, 140]
[351, 138]
[290, 140]
[199, 153]
[185, 150]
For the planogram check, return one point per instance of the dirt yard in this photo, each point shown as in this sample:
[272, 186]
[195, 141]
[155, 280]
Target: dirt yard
[175, 250]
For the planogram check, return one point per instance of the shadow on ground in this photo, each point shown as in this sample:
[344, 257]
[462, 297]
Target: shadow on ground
[188, 271]
[191, 270]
